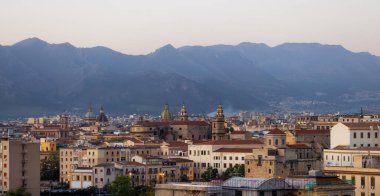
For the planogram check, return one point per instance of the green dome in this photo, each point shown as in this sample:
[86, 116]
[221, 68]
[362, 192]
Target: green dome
[166, 114]
[89, 114]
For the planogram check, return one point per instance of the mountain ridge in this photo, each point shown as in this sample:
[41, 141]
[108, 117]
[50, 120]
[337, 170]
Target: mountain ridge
[246, 76]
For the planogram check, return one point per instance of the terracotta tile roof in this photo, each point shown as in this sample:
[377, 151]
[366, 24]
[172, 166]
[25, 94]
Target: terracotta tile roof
[235, 150]
[344, 147]
[199, 123]
[313, 132]
[167, 123]
[362, 125]
[341, 147]
[145, 146]
[180, 160]
[230, 142]
[177, 144]
[276, 131]
[298, 146]
[135, 140]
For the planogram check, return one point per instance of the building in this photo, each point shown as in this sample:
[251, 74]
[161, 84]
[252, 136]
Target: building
[47, 147]
[220, 154]
[172, 130]
[73, 157]
[359, 166]
[309, 185]
[218, 128]
[364, 134]
[81, 178]
[20, 165]
[279, 159]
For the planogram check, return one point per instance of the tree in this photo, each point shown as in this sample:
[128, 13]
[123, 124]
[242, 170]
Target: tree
[50, 168]
[237, 170]
[144, 191]
[121, 186]
[18, 192]
[184, 178]
[210, 173]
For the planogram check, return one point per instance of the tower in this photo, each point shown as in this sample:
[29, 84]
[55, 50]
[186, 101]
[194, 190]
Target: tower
[102, 119]
[166, 115]
[183, 114]
[218, 129]
[64, 121]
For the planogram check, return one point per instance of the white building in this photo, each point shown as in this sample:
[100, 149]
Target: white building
[81, 178]
[365, 134]
[220, 154]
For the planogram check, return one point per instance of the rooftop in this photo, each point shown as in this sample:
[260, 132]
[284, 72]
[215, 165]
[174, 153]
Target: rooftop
[235, 150]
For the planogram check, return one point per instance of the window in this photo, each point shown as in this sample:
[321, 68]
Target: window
[270, 142]
[249, 170]
[362, 181]
[369, 135]
[5, 165]
[354, 134]
[230, 157]
[283, 142]
[276, 141]
[373, 182]
[353, 180]
[270, 171]
[375, 134]
[259, 160]
[361, 135]
[96, 171]
[236, 158]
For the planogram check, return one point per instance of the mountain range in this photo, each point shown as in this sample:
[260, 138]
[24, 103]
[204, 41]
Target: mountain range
[38, 78]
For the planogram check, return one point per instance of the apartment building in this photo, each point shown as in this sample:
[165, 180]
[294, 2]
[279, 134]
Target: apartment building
[72, 158]
[205, 154]
[81, 178]
[359, 166]
[20, 165]
[363, 134]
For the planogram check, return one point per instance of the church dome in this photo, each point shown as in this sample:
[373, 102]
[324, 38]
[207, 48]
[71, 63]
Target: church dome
[89, 114]
[166, 114]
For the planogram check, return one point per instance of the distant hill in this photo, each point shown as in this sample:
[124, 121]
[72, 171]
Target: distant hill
[41, 78]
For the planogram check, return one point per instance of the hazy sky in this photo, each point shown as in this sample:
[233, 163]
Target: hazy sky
[141, 26]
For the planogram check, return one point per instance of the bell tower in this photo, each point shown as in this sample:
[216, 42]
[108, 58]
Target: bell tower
[218, 129]
[183, 114]
[64, 121]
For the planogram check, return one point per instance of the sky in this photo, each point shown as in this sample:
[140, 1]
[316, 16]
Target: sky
[141, 26]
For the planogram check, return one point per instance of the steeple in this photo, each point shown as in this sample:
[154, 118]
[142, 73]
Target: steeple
[218, 128]
[183, 114]
[166, 115]
[102, 118]
[219, 112]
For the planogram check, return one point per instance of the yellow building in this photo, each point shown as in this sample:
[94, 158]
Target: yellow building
[47, 147]
[359, 166]
[72, 158]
